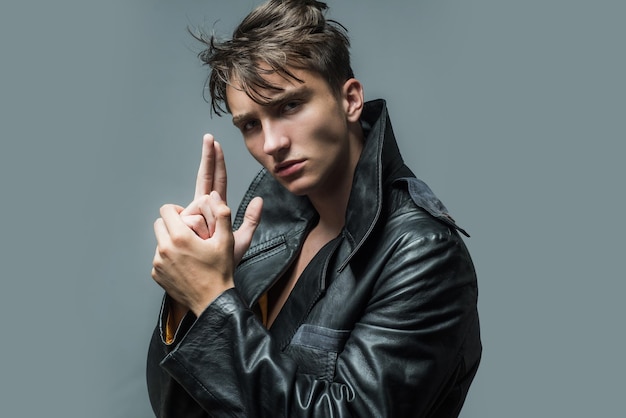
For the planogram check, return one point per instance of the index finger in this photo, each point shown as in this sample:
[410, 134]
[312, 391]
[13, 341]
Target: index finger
[204, 180]
[212, 170]
[219, 173]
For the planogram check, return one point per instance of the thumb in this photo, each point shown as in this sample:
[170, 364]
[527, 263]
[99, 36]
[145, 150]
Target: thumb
[251, 219]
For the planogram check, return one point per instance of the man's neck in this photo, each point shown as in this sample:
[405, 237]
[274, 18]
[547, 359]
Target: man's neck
[331, 206]
[332, 214]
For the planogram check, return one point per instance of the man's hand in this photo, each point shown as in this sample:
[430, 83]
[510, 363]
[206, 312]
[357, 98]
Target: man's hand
[200, 220]
[193, 270]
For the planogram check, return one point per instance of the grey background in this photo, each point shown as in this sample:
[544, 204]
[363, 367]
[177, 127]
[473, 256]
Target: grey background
[513, 112]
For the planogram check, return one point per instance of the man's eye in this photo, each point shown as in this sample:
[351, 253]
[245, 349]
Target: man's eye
[248, 126]
[290, 106]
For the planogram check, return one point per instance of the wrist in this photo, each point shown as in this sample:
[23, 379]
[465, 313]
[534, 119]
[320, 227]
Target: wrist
[198, 308]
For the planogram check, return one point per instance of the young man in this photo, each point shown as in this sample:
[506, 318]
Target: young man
[352, 294]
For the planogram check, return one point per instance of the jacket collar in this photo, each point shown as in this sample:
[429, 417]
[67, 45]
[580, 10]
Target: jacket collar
[379, 165]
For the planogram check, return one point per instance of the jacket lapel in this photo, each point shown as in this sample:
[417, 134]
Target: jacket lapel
[309, 288]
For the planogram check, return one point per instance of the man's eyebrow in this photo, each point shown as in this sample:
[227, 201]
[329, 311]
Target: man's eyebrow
[240, 118]
[284, 96]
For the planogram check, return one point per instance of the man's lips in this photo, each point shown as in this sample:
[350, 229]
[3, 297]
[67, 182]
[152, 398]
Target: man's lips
[287, 168]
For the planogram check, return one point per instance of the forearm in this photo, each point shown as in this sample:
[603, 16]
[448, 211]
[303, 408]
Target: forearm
[167, 397]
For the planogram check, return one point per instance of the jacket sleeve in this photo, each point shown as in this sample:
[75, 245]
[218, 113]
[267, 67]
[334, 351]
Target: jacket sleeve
[406, 356]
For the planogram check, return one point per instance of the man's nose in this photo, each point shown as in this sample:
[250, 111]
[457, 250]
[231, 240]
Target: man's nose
[275, 140]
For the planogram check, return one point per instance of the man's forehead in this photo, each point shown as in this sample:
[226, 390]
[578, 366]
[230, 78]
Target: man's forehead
[277, 87]
[275, 80]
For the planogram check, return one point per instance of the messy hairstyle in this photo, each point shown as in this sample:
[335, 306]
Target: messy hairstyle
[274, 37]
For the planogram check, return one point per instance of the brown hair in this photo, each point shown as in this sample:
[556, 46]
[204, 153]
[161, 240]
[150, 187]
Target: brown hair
[275, 36]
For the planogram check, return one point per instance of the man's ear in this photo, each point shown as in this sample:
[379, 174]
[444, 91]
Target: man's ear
[353, 99]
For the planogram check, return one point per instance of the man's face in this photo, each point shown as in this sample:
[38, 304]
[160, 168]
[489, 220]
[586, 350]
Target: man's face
[301, 136]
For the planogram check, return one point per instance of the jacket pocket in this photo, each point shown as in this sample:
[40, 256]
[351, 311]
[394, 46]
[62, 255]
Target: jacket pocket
[263, 250]
[315, 349]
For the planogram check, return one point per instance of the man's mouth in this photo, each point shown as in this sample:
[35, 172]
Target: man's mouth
[287, 168]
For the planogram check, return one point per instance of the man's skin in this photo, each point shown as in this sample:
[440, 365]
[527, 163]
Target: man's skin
[202, 217]
[310, 139]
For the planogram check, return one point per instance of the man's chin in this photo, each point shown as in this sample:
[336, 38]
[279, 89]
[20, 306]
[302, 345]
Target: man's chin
[296, 187]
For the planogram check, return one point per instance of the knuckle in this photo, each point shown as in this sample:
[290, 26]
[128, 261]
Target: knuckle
[164, 253]
[165, 209]
[204, 200]
[198, 223]
[223, 211]
[193, 221]
[251, 220]
[176, 242]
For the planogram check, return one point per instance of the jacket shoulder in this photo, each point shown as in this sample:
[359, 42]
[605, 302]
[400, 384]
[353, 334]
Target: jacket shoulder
[411, 198]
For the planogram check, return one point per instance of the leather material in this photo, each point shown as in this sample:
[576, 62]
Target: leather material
[386, 327]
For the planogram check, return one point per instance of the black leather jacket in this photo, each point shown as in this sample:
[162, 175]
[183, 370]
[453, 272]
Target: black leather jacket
[387, 327]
